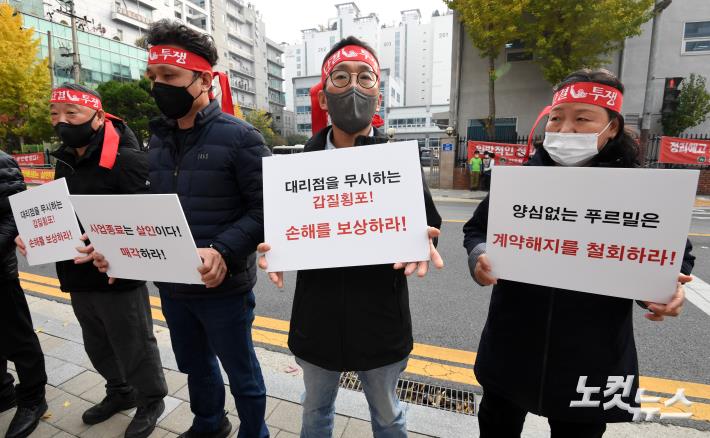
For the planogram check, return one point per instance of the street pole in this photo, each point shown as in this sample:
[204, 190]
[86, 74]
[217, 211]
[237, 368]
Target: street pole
[658, 8]
[76, 63]
[50, 59]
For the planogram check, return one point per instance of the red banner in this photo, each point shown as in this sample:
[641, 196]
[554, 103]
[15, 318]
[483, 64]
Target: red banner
[35, 159]
[505, 154]
[684, 151]
[37, 176]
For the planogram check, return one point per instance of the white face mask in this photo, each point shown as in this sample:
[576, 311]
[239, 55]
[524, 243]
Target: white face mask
[572, 149]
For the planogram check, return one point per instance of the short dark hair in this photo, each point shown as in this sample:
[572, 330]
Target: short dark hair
[624, 147]
[175, 33]
[79, 87]
[350, 41]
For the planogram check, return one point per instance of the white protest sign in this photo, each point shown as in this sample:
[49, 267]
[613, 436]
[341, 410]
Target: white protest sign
[346, 207]
[143, 237]
[617, 232]
[46, 223]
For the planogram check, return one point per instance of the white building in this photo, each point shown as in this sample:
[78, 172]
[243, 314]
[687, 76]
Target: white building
[416, 54]
[252, 60]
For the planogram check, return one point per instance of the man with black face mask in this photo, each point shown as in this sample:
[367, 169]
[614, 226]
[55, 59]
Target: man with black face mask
[212, 160]
[100, 155]
[353, 318]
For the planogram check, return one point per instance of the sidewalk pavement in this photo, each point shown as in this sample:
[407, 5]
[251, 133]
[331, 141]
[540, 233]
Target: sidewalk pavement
[74, 386]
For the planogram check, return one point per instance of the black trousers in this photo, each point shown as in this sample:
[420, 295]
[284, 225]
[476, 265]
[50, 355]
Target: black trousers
[117, 327]
[501, 418]
[19, 344]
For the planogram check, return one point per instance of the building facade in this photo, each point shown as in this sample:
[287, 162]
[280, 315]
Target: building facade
[102, 59]
[111, 32]
[683, 48]
[415, 58]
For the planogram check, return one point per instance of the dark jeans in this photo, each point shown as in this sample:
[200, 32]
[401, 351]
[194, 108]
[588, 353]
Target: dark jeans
[117, 327]
[500, 418]
[208, 328]
[19, 344]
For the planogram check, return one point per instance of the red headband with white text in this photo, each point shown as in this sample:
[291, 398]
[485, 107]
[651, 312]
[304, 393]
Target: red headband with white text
[592, 93]
[111, 137]
[191, 61]
[319, 118]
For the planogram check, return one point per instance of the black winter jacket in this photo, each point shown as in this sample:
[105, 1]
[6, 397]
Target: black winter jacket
[216, 172]
[84, 176]
[539, 340]
[353, 318]
[11, 182]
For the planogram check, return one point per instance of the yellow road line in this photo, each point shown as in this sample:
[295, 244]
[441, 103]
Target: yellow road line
[416, 366]
[698, 235]
[39, 279]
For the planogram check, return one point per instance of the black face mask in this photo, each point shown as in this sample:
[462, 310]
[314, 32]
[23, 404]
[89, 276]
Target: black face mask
[76, 136]
[174, 102]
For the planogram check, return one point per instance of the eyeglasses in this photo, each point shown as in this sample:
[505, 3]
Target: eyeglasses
[341, 79]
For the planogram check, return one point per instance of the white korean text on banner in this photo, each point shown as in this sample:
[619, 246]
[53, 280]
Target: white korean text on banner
[617, 232]
[345, 207]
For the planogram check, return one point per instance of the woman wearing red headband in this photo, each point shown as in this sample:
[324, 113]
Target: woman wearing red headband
[538, 341]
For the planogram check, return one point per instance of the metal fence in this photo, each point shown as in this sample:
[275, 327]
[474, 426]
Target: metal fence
[653, 149]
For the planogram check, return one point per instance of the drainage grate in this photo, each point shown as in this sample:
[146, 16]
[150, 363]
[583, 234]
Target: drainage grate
[423, 394]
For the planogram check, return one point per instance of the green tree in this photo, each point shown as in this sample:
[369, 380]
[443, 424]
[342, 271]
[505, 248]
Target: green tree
[262, 121]
[24, 82]
[491, 25]
[132, 102]
[295, 139]
[564, 35]
[693, 106]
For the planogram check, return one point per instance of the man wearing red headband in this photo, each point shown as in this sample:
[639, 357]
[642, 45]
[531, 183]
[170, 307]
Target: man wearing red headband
[212, 160]
[352, 318]
[101, 156]
[539, 340]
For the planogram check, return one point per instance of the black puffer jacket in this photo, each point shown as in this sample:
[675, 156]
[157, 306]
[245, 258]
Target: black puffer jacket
[217, 176]
[84, 176]
[11, 182]
[539, 340]
[353, 318]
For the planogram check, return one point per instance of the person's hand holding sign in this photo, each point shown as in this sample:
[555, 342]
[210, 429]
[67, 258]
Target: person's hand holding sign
[86, 250]
[213, 268]
[674, 307]
[483, 272]
[276, 277]
[423, 267]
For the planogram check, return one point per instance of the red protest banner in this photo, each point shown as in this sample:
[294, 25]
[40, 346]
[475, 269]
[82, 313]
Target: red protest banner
[37, 176]
[506, 154]
[34, 159]
[684, 151]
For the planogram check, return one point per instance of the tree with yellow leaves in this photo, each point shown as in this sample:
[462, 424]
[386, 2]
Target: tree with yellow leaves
[24, 82]
[238, 111]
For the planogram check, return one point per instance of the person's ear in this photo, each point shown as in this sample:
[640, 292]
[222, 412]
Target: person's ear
[322, 100]
[98, 120]
[206, 78]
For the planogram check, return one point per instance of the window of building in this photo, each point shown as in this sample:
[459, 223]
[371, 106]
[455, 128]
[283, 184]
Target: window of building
[696, 38]
[304, 126]
[302, 92]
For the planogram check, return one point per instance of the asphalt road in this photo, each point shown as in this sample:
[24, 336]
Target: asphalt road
[449, 309]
